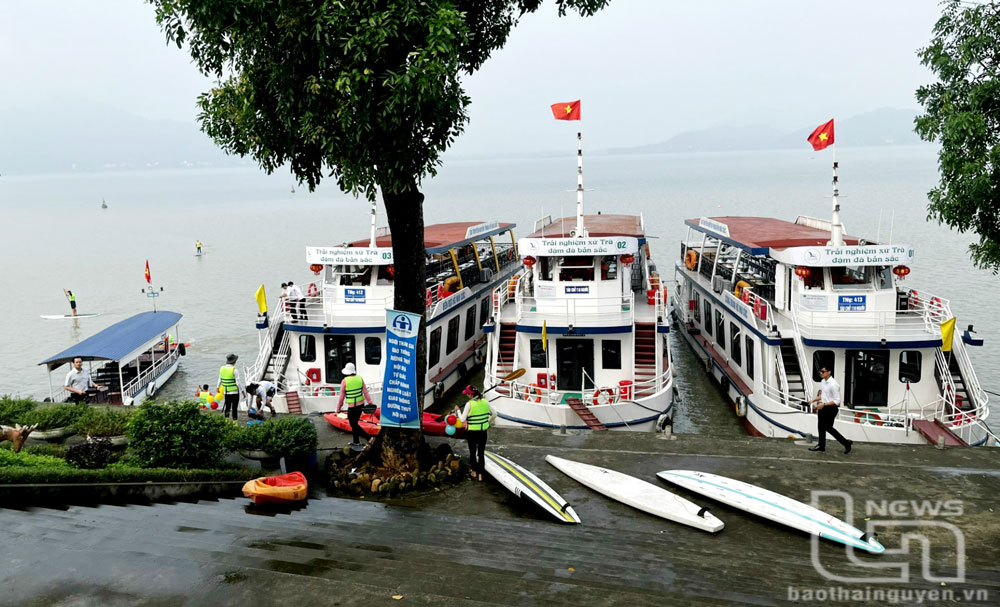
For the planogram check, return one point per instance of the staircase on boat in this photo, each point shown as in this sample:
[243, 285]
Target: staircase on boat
[932, 430]
[793, 371]
[645, 359]
[508, 342]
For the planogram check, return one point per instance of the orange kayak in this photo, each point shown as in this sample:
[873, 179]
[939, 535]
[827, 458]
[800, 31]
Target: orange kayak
[291, 487]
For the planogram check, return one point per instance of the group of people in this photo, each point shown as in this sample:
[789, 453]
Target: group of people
[260, 393]
[295, 301]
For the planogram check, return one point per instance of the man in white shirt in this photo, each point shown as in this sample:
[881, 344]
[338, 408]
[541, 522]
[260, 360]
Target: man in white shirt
[261, 394]
[78, 381]
[295, 302]
[826, 411]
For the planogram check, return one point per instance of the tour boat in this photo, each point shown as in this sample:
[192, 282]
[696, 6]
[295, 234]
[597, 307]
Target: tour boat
[304, 348]
[135, 358]
[766, 303]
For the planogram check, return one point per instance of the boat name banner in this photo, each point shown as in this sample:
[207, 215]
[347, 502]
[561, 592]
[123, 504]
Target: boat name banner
[738, 306]
[861, 255]
[610, 245]
[455, 299]
[481, 229]
[714, 226]
[400, 405]
[350, 256]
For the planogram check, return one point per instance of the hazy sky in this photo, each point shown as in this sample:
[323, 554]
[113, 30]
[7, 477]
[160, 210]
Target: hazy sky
[645, 69]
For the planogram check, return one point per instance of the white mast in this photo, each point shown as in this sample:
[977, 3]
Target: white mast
[580, 231]
[836, 228]
[371, 242]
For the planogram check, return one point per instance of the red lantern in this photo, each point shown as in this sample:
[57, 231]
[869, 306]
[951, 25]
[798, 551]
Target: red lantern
[901, 272]
[627, 259]
[803, 272]
[316, 268]
[529, 261]
[391, 269]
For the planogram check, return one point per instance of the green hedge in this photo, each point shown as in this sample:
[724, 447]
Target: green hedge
[177, 435]
[11, 409]
[101, 421]
[38, 448]
[121, 475]
[55, 416]
[285, 436]
[25, 461]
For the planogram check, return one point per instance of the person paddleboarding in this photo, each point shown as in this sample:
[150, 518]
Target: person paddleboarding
[72, 300]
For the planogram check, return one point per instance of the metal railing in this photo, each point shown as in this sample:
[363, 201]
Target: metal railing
[576, 311]
[256, 371]
[152, 372]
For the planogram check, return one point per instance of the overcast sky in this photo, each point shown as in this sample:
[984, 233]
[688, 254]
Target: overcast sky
[645, 69]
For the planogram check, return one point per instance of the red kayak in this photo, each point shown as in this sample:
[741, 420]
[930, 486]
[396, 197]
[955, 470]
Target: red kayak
[433, 423]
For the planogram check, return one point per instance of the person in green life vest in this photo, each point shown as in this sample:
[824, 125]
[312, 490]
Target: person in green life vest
[229, 384]
[197, 245]
[477, 416]
[72, 301]
[354, 392]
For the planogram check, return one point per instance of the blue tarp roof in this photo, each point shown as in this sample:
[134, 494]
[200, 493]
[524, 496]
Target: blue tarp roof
[118, 340]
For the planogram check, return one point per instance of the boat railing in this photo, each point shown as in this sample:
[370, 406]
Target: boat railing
[784, 397]
[531, 392]
[139, 383]
[779, 362]
[326, 389]
[800, 352]
[863, 326]
[577, 311]
[266, 344]
[505, 292]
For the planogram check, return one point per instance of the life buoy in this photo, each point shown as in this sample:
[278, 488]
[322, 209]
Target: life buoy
[313, 375]
[312, 291]
[510, 254]
[740, 287]
[480, 357]
[935, 307]
[691, 259]
[914, 300]
[450, 282]
[741, 406]
[654, 281]
[535, 390]
[438, 390]
[868, 417]
[151, 389]
[182, 349]
[430, 298]
[511, 287]
[323, 391]
[604, 396]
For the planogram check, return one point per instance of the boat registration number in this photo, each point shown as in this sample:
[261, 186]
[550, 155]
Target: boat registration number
[852, 303]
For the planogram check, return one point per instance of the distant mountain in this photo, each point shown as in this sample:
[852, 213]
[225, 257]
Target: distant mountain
[91, 137]
[881, 127]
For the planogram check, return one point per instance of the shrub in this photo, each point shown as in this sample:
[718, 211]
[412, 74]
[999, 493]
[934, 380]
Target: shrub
[102, 421]
[115, 474]
[286, 436]
[9, 459]
[55, 416]
[90, 455]
[11, 409]
[53, 449]
[176, 435]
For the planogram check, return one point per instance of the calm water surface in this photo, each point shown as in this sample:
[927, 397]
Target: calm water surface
[255, 232]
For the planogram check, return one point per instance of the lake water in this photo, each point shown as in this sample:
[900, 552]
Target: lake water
[255, 232]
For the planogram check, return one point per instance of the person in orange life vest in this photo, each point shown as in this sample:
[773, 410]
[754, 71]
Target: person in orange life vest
[355, 392]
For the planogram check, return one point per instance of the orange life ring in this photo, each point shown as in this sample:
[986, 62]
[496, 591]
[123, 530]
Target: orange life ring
[511, 287]
[323, 391]
[869, 416]
[691, 259]
[312, 291]
[597, 396]
[740, 287]
[533, 389]
[313, 375]
[914, 300]
[654, 281]
[935, 307]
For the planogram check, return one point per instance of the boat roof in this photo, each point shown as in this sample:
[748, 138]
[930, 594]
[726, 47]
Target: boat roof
[119, 340]
[758, 235]
[440, 237]
[597, 225]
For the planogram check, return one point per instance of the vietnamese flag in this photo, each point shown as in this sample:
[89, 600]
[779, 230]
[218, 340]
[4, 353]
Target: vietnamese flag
[566, 111]
[822, 136]
[147, 272]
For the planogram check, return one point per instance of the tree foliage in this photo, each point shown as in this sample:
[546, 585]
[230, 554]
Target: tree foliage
[963, 114]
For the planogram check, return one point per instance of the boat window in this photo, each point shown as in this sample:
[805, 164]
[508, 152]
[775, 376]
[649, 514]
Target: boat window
[307, 348]
[576, 269]
[470, 322]
[453, 325]
[823, 359]
[339, 352]
[866, 377]
[697, 307]
[545, 265]
[484, 310]
[537, 354]
[735, 349]
[708, 318]
[611, 353]
[434, 348]
[609, 267]
[849, 276]
[909, 366]
[720, 329]
[373, 350]
[884, 277]
[386, 274]
[750, 351]
[814, 280]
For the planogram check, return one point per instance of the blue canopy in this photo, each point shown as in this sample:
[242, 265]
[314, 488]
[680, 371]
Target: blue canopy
[119, 340]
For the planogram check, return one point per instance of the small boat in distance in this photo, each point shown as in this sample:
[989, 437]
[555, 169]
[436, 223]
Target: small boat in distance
[104, 204]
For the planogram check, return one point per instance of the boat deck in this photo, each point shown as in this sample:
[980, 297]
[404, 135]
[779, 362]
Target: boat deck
[476, 544]
[578, 315]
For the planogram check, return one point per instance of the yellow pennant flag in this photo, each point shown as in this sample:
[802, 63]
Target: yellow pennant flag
[545, 337]
[261, 299]
[947, 334]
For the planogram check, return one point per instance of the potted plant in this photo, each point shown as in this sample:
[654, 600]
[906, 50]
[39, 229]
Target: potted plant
[105, 423]
[283, 437]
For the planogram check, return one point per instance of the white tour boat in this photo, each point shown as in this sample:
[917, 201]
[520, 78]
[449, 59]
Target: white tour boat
[766, 303]
[342, 318]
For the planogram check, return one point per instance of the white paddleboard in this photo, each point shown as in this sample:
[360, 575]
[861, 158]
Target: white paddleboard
[772, 506]
[639, 494]
[521, 482]
[63, 316]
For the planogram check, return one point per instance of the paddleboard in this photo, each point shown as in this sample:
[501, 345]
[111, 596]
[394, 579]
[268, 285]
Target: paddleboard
[522, 483]
[639, 494]
[58, 317]
[772, 506]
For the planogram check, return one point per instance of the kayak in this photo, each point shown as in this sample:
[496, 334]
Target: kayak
[433, 423]
[291, 487]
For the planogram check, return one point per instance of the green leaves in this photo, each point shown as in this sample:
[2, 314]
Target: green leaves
[962, 112]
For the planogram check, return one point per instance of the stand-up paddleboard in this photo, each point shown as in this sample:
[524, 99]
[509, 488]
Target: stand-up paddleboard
[522, 482]
[639, 494]
[64, 316]
[772, 506]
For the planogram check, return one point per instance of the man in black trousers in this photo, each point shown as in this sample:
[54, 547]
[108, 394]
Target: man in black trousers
[826, 411]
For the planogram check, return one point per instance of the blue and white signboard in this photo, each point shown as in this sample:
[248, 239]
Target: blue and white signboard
[851, 303]
[577, 290]
[354, 296]
[400, 401]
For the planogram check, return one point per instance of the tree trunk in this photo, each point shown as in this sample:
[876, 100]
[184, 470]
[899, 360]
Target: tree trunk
[398, 448]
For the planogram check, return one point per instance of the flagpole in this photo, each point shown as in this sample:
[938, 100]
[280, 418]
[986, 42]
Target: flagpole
[836, 229]
[580, 233]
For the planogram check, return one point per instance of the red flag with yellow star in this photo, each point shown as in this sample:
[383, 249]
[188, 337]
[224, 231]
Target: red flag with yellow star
[822, 136]
[147, 272]
[566, 111]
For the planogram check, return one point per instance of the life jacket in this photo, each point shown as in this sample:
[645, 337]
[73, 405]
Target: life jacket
[479, 415]
[203, 395]
[354, 389]
[227, 376]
